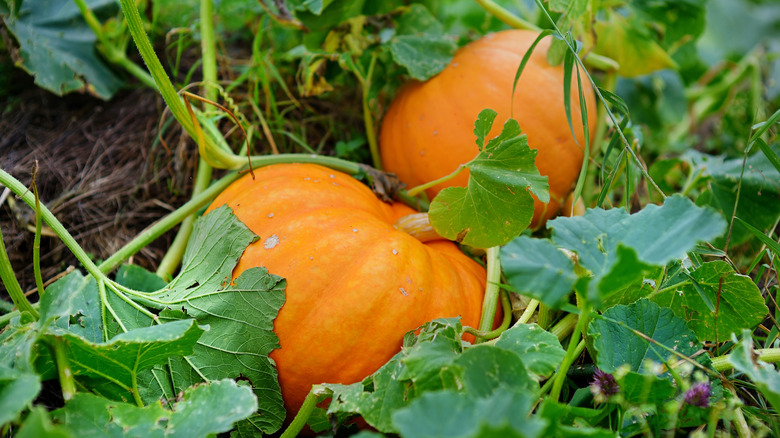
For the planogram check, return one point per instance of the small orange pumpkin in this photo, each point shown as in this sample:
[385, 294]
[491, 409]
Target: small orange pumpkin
[355, 284]
[428, 130]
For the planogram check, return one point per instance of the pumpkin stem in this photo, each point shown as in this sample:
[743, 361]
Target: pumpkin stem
[418, 226]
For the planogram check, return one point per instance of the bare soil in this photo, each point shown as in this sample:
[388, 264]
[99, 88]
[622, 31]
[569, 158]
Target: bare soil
[102, 172]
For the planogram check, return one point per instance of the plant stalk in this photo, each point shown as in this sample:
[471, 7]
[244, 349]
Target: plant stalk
[67, 383]
[299, 422]
[12, 284]
[571, 352]
[113, 53]
[416, 190]
[490, 301]
[768, 355]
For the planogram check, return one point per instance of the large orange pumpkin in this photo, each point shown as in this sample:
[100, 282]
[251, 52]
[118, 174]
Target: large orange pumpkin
[355, 284]
[428, 130]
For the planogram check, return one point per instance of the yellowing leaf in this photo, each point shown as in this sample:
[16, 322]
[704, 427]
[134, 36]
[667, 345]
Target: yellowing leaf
[636, 52]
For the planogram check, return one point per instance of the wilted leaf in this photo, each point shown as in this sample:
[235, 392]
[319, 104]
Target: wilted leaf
[631, 46]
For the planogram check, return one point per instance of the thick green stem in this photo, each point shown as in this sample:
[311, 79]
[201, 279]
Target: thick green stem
[416, 190]
[565, 326]
[769, 355]
[528, 312]
[11, 283]
[490, 301]
[299, 422]
[545, 316]
[67, 383]
[168, 222]
[506, 306]
[169, 94]
[208, 50]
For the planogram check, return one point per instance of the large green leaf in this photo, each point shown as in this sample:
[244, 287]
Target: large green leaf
[58, 48]
[239, 340]
[17, 390]
[216, 243]
[202, 411]
[759, 194]
[38, 424]
[420, 44]
[496, 206]
[618, 248]
[119, 360]
[739, 302]
[535, 267]
[450, 414]
[764, 375]
[75, 304]
[540, 350]
[617, 345]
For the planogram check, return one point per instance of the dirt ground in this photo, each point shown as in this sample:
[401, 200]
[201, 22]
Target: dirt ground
[102, 172]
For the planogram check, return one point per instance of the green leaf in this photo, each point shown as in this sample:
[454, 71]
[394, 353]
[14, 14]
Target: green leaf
[739, 302]
[420, 43]
[483, 369]
[559, 418]
[17, 391]
[392, 386]
[617, 345]
[138, 278]
[239, 340]
[645, 388]
[218, 239]
[758, 195]
[17, 347]
[764, 375]
[38, 424]
[496, 205]
[58, 48]
[450, 414]
[423, 56]
[74, 302]
[618, 248]
[535, 267]
[120, 359]
[540, 350]
[203, 410]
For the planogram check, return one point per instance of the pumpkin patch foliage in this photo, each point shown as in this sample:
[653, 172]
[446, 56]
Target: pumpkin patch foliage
[408, 218]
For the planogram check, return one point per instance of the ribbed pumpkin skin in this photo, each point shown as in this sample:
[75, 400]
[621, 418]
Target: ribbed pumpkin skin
[355, 284]
[428, 129]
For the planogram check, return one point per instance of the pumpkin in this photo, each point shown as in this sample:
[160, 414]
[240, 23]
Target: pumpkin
[355, 284]
[427, 131]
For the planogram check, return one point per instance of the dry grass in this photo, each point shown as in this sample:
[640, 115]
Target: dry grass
[101, 173]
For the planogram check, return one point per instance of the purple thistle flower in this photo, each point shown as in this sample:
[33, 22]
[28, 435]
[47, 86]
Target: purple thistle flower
[603, 386]
[699, 394]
